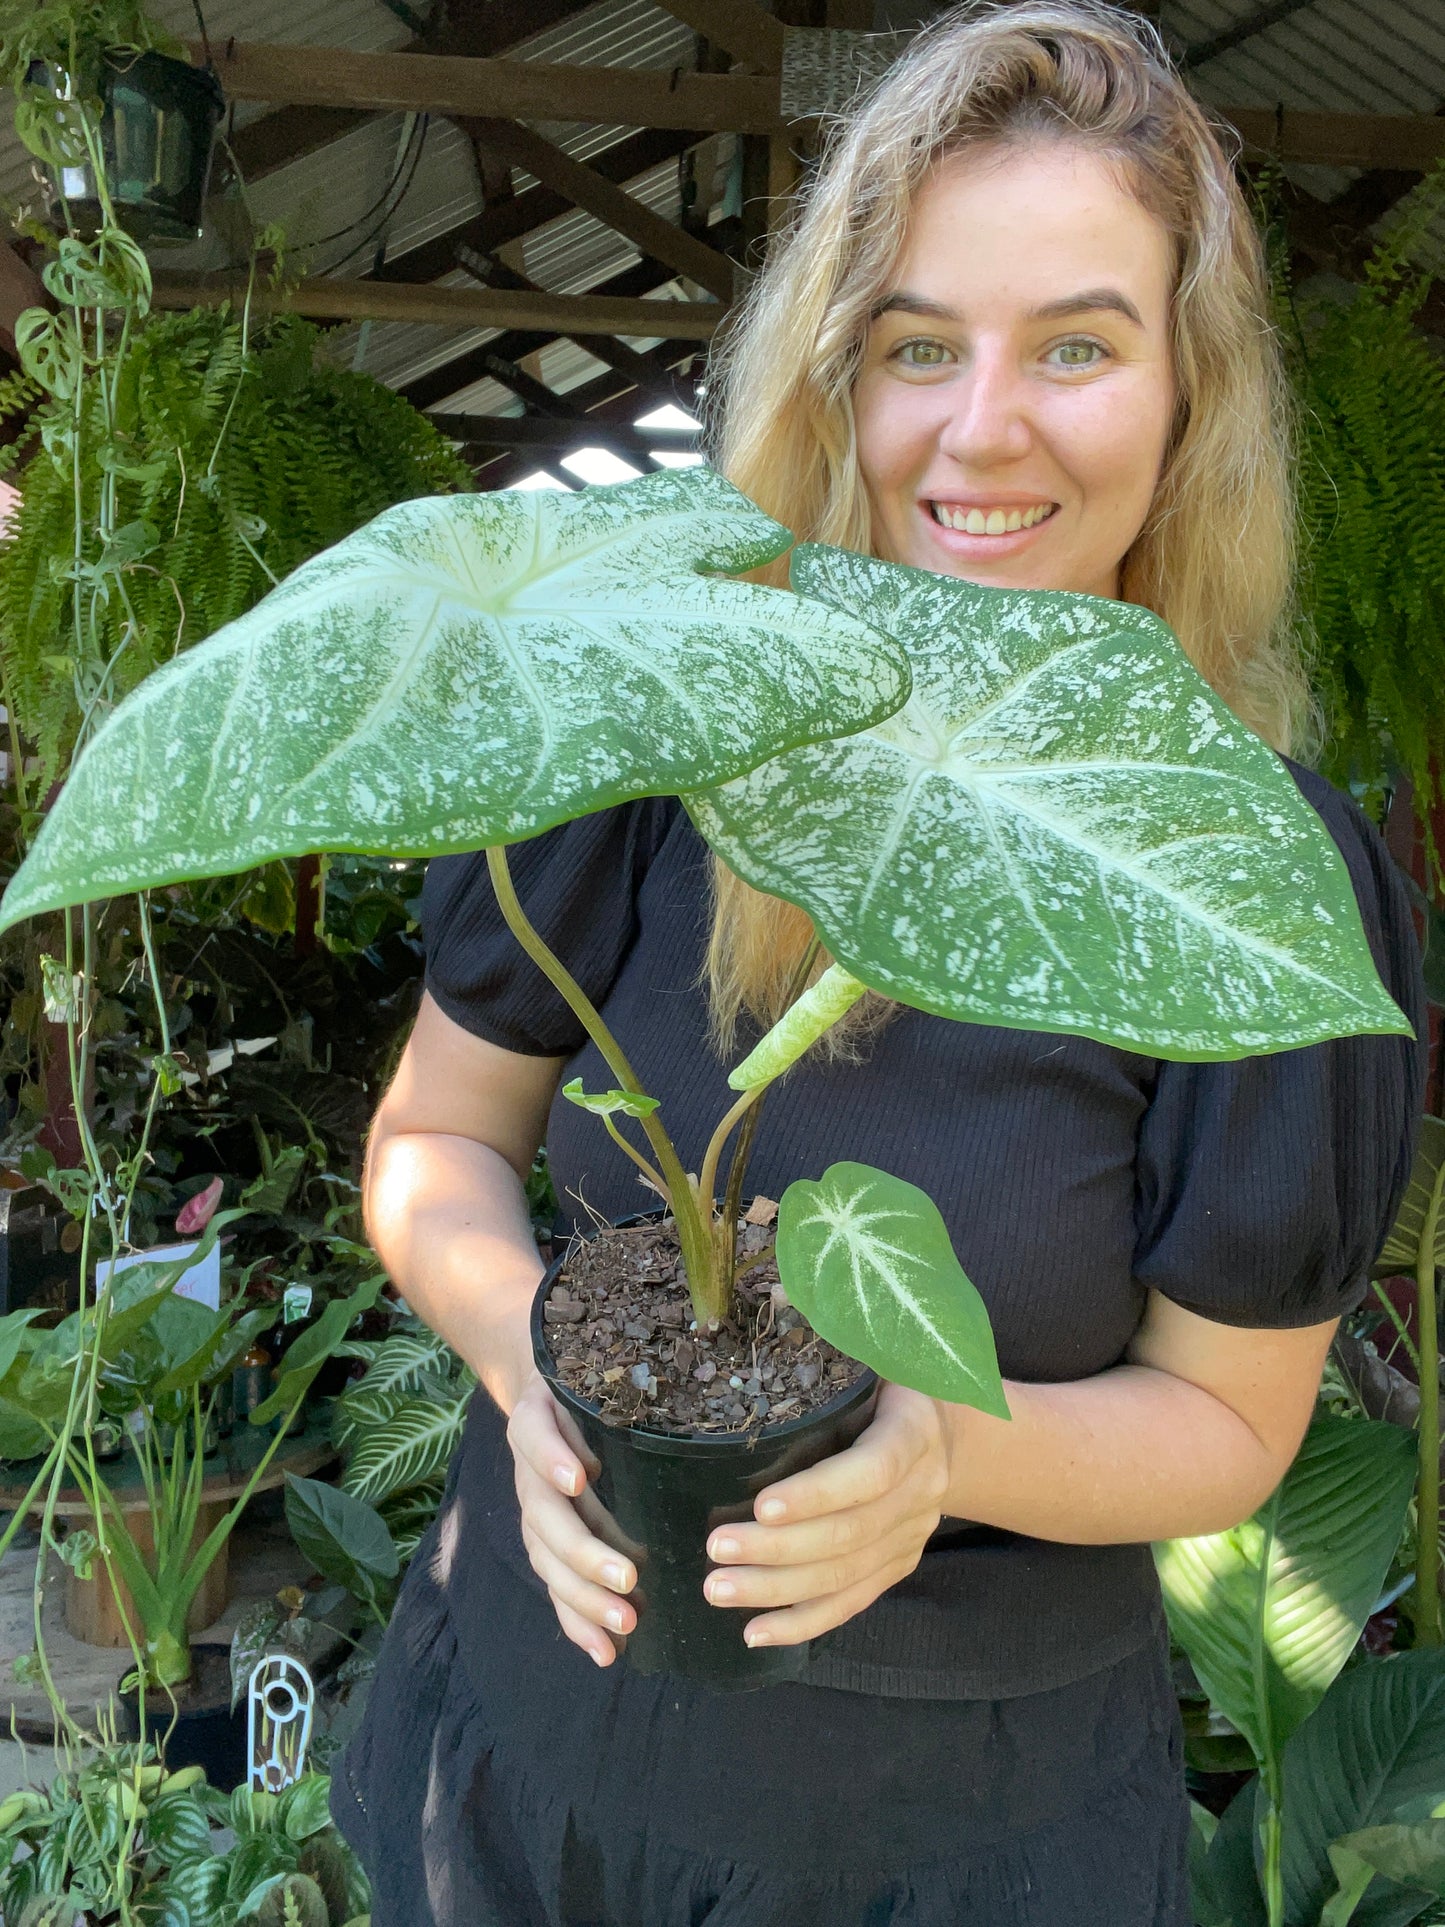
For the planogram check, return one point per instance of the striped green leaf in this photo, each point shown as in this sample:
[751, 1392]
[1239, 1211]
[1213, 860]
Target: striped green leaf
[1421, 1216]
[866, 1258]
[1063, 829]
[397, 1362]
[1270, 1611]
[465, 670]
[412, 1447]
[799, 1027]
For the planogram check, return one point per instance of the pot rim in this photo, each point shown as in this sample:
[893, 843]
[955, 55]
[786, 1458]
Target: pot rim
[691, 1444]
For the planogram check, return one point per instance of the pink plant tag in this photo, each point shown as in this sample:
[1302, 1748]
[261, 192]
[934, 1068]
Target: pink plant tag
[196, 1213]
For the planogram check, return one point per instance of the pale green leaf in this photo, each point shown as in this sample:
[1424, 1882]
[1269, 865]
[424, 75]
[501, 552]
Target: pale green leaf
[1422, 1213]
[800, 1026]
[607, 1103]
[465, 670]
[412, 1446]
[1064, 829]
[1270, 1611]
[866, 1258]
[1413, 1855]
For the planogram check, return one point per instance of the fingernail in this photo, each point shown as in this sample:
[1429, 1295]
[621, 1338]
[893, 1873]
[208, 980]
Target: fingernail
[598, 1659]
[719, 1591]
[615, 1620]
[616, 1577]
[567, 1479]
[724, 1549]
[771, 1509]
[759, 1638]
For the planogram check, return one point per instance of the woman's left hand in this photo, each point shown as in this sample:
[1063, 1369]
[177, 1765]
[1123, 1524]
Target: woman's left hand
[829, 1540]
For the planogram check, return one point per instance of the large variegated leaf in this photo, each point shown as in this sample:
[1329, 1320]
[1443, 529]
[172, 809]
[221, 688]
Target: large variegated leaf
[412, 1446]
[866, 1258]
[1270, 1611]
[1422, 1213]
[464, 670]
[1064, 829]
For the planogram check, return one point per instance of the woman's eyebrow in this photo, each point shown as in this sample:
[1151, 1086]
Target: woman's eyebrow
[1087, 301]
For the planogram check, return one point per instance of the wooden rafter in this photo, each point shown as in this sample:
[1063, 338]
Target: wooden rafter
[512, 89]
[290, 133]
[1239, 31]
[439, 384]
[610, 204]
[739, 27]
[555, 432]
[719, 103]
[524, 213]
[337, 300]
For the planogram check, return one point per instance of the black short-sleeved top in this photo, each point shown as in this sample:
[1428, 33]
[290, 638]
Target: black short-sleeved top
[1073, 1178]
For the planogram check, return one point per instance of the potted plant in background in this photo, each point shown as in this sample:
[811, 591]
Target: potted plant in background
[159, 1364]
[468, 673]
[151, 116]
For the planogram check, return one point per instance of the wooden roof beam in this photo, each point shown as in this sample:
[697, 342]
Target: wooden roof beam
[740, 27]
[556, 432]
[554, 314]
[661, 239]
[522, 214]
[1410, 142]
[466, 88]
[290, 133]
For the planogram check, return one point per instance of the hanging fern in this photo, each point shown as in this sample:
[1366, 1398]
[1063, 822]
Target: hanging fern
[1372, 514]
[233, 465]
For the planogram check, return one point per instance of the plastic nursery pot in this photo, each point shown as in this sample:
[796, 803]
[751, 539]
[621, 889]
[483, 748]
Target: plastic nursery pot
[206, 1733]
[158, 123]
[665, 1492]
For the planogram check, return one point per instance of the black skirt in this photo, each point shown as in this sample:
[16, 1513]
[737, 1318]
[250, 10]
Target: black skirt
[551, 1793]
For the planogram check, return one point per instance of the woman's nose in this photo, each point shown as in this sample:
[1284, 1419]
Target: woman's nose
[987, 421]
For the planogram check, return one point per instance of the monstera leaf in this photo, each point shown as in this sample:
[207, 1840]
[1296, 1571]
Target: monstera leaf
[866, 1258]
[1270, 1611]
[1064, 829]
[465, 670]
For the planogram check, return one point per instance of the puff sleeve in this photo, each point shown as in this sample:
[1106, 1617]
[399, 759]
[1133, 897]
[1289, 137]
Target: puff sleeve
[1265, 1187]
[578, 885]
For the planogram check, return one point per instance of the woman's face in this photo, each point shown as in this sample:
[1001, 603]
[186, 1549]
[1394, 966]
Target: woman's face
[1016, 395]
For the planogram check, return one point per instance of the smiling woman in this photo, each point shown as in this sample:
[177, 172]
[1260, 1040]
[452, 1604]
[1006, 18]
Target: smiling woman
[1016, 337]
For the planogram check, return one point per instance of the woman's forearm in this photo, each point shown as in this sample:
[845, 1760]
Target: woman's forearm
[448, 1219]
[1132, 1455]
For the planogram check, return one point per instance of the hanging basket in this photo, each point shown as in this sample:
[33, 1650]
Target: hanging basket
[157, 127]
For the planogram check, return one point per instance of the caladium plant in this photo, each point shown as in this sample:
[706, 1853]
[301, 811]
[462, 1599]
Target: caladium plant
[1012, 808]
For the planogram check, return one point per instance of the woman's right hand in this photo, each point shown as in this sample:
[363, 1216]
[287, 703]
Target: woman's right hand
[586, 1578]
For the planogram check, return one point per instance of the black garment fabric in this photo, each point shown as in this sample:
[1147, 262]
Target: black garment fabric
[1073, 1178]
[505, 1781]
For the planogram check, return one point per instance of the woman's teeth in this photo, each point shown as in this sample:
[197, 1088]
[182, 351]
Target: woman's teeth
[990, 521]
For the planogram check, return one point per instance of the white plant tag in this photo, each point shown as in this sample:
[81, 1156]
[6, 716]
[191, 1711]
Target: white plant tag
[201, 1283]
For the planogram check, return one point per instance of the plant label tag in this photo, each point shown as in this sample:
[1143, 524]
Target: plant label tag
[295, 1303]
[202, 1282]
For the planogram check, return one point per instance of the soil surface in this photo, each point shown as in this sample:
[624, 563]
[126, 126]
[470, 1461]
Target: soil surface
[621, 1330]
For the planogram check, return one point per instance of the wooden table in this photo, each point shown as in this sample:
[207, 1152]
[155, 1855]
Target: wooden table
[92, 1612]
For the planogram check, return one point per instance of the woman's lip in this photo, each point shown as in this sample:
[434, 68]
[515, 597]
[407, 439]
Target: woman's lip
[978, 548]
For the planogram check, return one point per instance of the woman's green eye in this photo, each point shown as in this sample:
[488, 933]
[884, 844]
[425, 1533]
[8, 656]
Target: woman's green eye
[921, 354]
[1078, 354]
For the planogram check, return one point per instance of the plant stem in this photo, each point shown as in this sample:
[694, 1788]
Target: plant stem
[710, 1296]
[1426, 1610]
[1273, 1830]
[1402, 1330]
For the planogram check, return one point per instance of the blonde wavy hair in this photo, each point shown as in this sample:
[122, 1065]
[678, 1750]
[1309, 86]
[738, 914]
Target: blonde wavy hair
[1215, 556]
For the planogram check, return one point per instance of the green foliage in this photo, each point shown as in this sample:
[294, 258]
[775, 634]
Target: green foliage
[231, 463]
[1372, 508]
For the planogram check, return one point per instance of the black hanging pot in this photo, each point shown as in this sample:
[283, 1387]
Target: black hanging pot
[666, 1492]
[206, 1732]
[158, 123]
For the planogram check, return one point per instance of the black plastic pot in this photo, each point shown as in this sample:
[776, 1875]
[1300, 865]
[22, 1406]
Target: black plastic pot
[665, 1492]
[159, 121]
[206, 1732]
